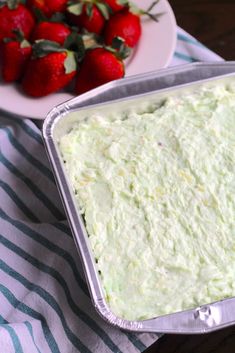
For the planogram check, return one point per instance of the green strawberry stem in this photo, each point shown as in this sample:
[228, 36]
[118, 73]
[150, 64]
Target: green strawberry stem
[152, 5]
[155, 17]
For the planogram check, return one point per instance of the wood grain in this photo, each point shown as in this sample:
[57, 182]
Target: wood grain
[222, 341]
[213, 23]
[210, 21]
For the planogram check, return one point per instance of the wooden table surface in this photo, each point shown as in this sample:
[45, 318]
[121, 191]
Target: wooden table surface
[213, 23]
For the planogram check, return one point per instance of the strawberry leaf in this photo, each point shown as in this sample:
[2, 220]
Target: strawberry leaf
[12, 4]
[123, 51]
[74, 42]
[7, 40]
[118, 48]
[104, 9]
[70, 64]
[43, 47]
[117, 42]
[75, 9]
[25, 44]
[91, 40]
[19, 35]
[58, 17]
[89, 9]
[123, 2]
[40, 16]
[134, 9]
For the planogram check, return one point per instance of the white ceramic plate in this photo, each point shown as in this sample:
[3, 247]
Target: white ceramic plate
[153, 52]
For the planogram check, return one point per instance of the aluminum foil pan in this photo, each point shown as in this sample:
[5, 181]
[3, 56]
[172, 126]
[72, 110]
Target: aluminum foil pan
[114, 95]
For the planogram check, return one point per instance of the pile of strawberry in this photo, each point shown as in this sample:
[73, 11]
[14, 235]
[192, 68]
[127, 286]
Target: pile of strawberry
[47, 44]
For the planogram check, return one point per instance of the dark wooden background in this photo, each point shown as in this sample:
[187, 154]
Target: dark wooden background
[210, 21]
[213, 23]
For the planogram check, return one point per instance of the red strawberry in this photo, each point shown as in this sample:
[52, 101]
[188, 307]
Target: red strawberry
[53, 31]
[48, 7]
[15, 55]
[123, 24]
[15, 17]
[49, 72]
[116, 5]
[90, 16]
[98, 67]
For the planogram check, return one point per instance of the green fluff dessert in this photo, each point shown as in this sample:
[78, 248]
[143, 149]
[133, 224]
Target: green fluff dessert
[156, 190]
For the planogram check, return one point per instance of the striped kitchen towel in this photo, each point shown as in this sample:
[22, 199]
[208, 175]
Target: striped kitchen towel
[44, 301]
